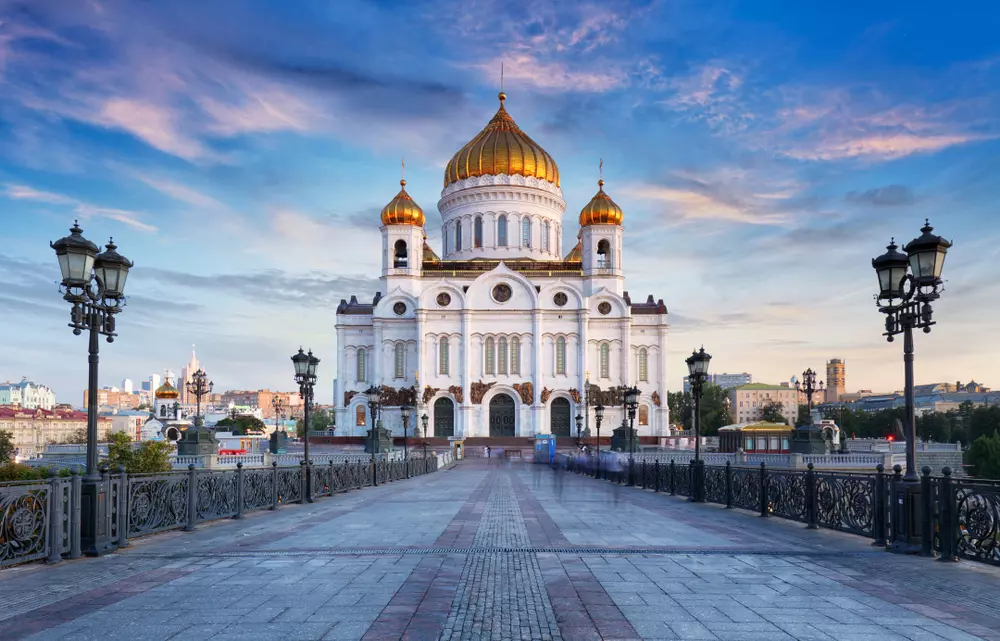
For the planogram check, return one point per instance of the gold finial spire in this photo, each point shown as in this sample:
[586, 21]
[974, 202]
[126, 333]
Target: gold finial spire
[402, 171]
[502, 96]
[600, 174]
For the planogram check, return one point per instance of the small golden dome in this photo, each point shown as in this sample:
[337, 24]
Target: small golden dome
[167, 391]
[501, 148]
[401, 210]
[601, 210]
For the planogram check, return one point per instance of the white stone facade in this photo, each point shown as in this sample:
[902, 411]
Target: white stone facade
[27, 395]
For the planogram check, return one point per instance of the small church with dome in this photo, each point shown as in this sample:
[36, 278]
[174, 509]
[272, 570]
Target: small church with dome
[165, 421]
[505, 332]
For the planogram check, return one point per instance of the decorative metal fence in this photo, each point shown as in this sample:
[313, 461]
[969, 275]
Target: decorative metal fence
[959, 518]
[42, 519]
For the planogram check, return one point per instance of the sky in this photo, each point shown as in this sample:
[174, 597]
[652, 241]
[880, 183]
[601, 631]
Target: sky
[239, 153]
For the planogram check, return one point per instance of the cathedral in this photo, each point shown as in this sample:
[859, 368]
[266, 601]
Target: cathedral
[504, 334]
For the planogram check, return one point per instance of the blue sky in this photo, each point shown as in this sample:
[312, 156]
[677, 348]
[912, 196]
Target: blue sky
[239, 153]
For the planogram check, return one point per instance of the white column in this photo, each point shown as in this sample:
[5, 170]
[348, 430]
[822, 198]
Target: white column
[662, 412]
[581, 359]
[537, 375]
[626, 348]
[465, 407]
[377, 353]
[419, 365]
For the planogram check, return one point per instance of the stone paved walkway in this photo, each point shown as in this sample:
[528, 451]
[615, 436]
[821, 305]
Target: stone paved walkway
[495, 551]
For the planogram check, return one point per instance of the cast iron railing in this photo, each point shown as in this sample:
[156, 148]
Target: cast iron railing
[960, 518]
[41, 519]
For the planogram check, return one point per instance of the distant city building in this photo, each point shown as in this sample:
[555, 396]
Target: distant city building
[128, 421]
[113, 398]
[127, 386]
[263, 399]
[27, 395]
[35, 428]
[150, 384]
[836, 379]
[724, 380]
[187, 376]
[748, 401]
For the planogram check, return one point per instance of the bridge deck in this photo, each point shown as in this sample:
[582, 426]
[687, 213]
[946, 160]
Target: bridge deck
[501, 551]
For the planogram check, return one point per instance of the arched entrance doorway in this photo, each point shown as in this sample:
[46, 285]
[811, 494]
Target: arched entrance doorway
[502, 410]
[559, 417]
[444, 418]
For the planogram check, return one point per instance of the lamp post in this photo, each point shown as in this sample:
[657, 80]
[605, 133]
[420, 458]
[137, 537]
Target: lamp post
[374, 396]
[631, 397]
[598, 417]
[405, 411]
[579, 431]
[305, 375]
[279, 411]
[199, 386]
[697, 364]
[908, 283]
[423, 423]
[808, 387]
[93, 284]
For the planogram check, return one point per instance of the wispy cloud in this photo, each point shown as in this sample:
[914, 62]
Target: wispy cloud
[887, 196]
[82, 209]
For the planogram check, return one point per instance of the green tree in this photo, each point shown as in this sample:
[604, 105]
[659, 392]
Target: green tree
[771, 412]
[319, 420]
[150, 456]
[679, 407]
[243, 425]
[803, 418]
[984, 456]
[714, 413]
[6, 446]
[77, 437]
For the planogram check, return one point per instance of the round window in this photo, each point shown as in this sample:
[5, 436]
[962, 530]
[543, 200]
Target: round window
[560, 299]
[604, 308]
[444, 299]
[502, 293]
[399, 308]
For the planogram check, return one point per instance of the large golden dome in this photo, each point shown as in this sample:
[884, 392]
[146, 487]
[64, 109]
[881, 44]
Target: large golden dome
[167, 391]
[402, 210]
[601, 210]
[501, 148]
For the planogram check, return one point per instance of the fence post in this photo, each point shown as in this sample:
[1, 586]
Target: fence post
[763, 489]
[729, 485]
[811, 498]
[192, 498]
[893, 510]
[948, 523]
[303, 485]
[76, 494]
[879, 525]
[274, 485]
[673, 482]
[240, 491]
[122, 506]
[656, 471]
[54, 535]
[332, 490]
[927, 514]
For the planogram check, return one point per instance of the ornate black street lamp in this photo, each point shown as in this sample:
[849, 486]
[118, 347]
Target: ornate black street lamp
[598, 417]
[374, 395]
[305, 375]
[579, 431]
[405, 412]
[423, 422]
[279, 411]
[808, 438]
[631, 403]
[697, 364]
[905, 299]
[199, 386]
[278, 438]
[93, 284]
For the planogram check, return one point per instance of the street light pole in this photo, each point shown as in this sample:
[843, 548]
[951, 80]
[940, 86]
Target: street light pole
[598, 417]
[631, 398]
[93, 283]
[199, 386]
[808, 387]
[579, 431]
[905, 299]
[305, 375]
[279, 410]
[697, 364]
[405, 412]
[374, 395]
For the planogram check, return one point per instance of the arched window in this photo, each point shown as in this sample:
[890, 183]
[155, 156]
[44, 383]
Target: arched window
[477, 232]
[502, 230]
[360, 416]
[643, 365]
[561, 355]
[643, 414]
[605, 360]
[546, 230]
[399, 259]
[526, 232]
[604, 255]
[163, 410]
[502, 356]
[362, 366]
[515, 355]
[399, 357]
[458, 236]
[489, 355]
[443, 359]
[444, 239]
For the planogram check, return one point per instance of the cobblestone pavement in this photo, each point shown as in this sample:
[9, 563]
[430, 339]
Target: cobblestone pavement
[493, 551]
